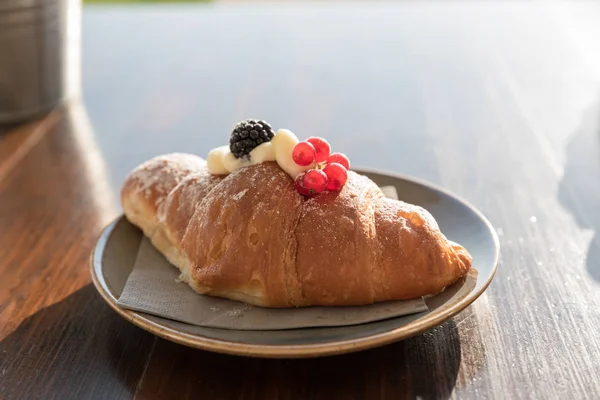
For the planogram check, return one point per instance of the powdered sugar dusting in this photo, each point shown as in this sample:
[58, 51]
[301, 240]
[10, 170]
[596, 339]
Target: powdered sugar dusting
[238, 312]
[344, 207]
[239, 195]
[163, 173]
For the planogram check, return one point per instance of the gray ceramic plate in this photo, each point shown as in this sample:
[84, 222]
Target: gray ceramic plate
[114, 255]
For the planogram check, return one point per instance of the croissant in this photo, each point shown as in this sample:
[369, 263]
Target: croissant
[250, 236]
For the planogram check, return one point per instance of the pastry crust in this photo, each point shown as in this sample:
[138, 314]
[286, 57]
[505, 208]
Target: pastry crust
[249, 236]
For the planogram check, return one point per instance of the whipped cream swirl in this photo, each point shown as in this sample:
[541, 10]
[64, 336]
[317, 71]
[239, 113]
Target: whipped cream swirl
[221, 161]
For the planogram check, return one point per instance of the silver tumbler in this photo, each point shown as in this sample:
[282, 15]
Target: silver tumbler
[40, 56]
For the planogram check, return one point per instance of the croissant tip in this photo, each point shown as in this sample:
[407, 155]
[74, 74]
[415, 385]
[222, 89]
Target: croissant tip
[463, 255]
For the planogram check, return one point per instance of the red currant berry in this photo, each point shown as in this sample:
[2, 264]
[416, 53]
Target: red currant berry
[322, 148]
[303, 153]
[337, 176]
[340, 159]
[299, 185]
[315, 180]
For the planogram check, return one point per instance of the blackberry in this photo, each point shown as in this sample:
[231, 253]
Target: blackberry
[247, 135]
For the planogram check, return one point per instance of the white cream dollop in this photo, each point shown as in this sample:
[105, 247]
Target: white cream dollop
[284, 142]
[232, 163]
[262, 153]
[214, 160]
[221, 161]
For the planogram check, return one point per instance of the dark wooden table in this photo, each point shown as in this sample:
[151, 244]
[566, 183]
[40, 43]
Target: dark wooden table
[499, 103]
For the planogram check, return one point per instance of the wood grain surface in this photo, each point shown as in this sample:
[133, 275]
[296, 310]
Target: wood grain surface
[499, 103]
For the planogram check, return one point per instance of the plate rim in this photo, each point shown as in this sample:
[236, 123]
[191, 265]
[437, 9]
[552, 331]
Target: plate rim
[294, 351]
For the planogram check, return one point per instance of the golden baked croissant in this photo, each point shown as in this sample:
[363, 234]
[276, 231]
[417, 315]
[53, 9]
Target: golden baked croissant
[250, 236]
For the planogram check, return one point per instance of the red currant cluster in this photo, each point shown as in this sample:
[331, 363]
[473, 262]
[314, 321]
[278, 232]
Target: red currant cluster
[330, 171]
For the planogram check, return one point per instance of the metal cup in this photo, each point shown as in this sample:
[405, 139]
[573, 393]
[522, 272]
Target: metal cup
[40, 56]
